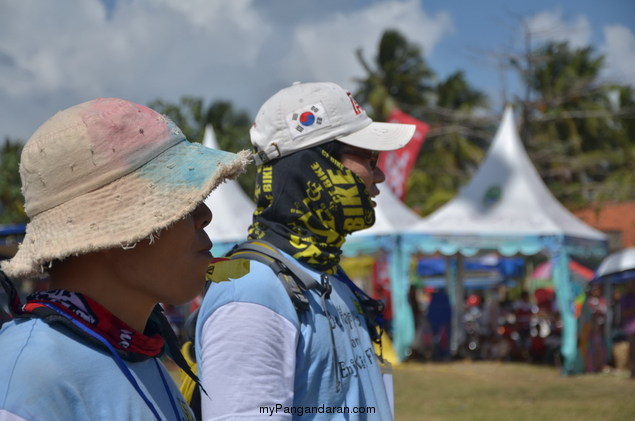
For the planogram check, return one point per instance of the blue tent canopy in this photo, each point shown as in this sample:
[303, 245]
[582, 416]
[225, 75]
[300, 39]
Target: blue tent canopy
[10, 236]
[618, 267]
[617, 278]
[506, 208]
[507, 267]
[472, 283]
[14, 229]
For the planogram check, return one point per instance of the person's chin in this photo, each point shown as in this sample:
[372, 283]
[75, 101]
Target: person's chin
[190, 291]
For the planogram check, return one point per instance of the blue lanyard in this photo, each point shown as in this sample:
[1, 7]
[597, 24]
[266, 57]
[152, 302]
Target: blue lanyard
[124, 368]
[342, 276]
[167, 388]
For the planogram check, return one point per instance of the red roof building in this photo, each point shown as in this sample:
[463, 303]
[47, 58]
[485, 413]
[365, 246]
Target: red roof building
[617, 220]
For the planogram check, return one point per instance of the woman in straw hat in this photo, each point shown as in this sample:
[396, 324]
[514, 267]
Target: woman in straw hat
[114, 193]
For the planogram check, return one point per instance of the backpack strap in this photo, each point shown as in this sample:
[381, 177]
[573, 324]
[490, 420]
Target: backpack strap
[294, 279]
[372, 309]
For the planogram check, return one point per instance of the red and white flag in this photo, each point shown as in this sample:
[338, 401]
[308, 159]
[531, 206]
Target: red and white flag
[398, 164]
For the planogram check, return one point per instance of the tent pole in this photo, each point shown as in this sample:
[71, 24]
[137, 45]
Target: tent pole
[565, 300]
[454, 286]
[450, 284]
[460, 299]
[403, 319]
[608, 322]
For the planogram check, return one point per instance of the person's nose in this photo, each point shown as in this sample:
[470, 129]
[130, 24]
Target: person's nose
[202, 215]
[378, 176]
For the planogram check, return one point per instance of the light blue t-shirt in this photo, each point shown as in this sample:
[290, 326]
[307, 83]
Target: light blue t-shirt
[336, 368]
[49, 375]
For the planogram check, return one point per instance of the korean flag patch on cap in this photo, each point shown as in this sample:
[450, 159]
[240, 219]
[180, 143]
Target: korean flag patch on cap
[307, 119]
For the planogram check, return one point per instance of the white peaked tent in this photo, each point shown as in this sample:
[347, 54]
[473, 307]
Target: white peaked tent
[507, 196]
[506, 207]
[232, 210]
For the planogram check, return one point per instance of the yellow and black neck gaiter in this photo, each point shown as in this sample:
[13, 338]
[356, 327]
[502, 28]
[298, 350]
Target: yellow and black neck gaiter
[306, 204]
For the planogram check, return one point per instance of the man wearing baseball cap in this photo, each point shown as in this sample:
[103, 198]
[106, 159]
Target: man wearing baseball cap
[257, 352]
[114, 193]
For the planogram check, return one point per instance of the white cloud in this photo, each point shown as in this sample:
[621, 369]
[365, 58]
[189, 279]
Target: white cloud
[56, 54]
[619, 50]
[326, 49]
[41, 43]
[232, 30]
[550, 26]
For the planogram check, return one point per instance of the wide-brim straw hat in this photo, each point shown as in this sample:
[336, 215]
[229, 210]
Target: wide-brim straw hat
[108, 173]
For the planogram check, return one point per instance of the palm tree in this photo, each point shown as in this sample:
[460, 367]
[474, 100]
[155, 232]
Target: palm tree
[619, 183]
[455, 146]
[456, 94]
[573, 135]
[400, 77]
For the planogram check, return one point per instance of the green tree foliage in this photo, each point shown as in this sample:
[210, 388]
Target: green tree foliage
[11, 200]
[400, 74]
[578, 130]
[456, 94]
[620, 182]
[231, 127]
[454, 146]
[578, 137]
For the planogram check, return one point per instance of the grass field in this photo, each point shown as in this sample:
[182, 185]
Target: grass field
[491, 391]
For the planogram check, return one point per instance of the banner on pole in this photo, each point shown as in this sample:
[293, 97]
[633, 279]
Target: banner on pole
[398, 164]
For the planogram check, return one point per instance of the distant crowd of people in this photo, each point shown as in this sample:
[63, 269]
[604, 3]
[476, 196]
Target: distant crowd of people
[528, 328]
[491, 328]
[606, 329]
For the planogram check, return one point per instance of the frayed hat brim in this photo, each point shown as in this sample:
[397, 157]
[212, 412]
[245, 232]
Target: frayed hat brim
[131, 208]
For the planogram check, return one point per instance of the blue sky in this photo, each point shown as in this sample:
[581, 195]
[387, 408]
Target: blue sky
[54, 54]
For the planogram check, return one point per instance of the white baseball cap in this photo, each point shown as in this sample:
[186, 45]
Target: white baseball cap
[309, 114]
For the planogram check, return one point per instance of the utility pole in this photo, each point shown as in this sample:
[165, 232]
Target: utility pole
[528, 72]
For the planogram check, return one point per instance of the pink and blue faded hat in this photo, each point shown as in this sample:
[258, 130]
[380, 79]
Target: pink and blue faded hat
[109, 173]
